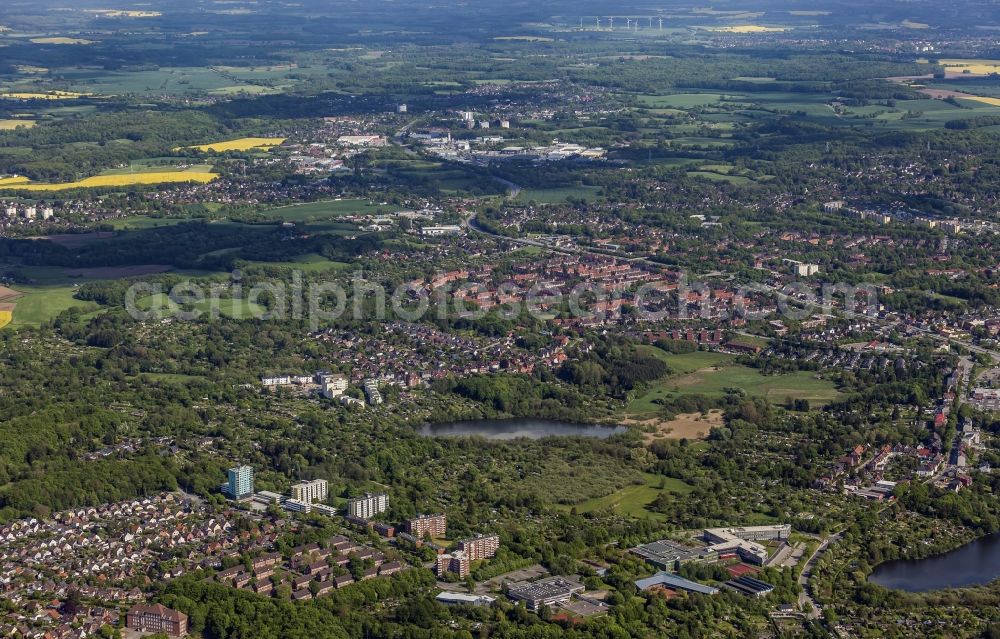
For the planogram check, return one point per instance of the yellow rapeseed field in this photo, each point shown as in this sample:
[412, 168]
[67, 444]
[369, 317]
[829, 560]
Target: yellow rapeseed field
[17, 179]
[242, 144]
[978, 98]
[6, 317]
[978, 67]
[7, 125]
[50, 95]
[125, 179]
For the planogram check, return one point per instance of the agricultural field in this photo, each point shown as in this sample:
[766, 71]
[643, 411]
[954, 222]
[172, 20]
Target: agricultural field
[559, 194]
[140, 222]
[9, 125]
[747, 28]
[974, 67]
[985, 100]
[327, 209]
[678, 100]
[240, 144]
[8, 302]
[41, 95]
[124, 13]
[61, 40]
[115, 179]
[42, 303]
[164, 80]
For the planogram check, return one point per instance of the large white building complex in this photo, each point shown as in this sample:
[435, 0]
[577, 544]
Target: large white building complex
[743, 540]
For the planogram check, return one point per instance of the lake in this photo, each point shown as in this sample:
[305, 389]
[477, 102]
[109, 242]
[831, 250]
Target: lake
[504, 429]
[974, 564]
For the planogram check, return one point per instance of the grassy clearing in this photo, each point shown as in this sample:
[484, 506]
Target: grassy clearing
[711, 374]
[235, 309]
[720, 177]
[687, 362]
[309, 263]
[172, 377]
[631, 501]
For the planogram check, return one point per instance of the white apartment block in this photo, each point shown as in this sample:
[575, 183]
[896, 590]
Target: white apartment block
[296, 506]
[334, 386]
[368, 505]
[310, 491]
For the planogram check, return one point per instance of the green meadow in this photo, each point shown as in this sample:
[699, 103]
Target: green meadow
[711, 374]
[631, 501]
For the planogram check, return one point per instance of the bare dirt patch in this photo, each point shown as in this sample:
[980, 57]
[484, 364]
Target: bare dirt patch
[683, 426]
[9, 294]
[116, 272]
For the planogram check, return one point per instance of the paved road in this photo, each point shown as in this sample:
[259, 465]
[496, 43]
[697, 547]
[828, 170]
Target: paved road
[805, 596]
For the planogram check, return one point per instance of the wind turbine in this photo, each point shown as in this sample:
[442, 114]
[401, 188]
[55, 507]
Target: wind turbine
[598, 22]
[628, 24]
[612, 21]
[661, 24]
